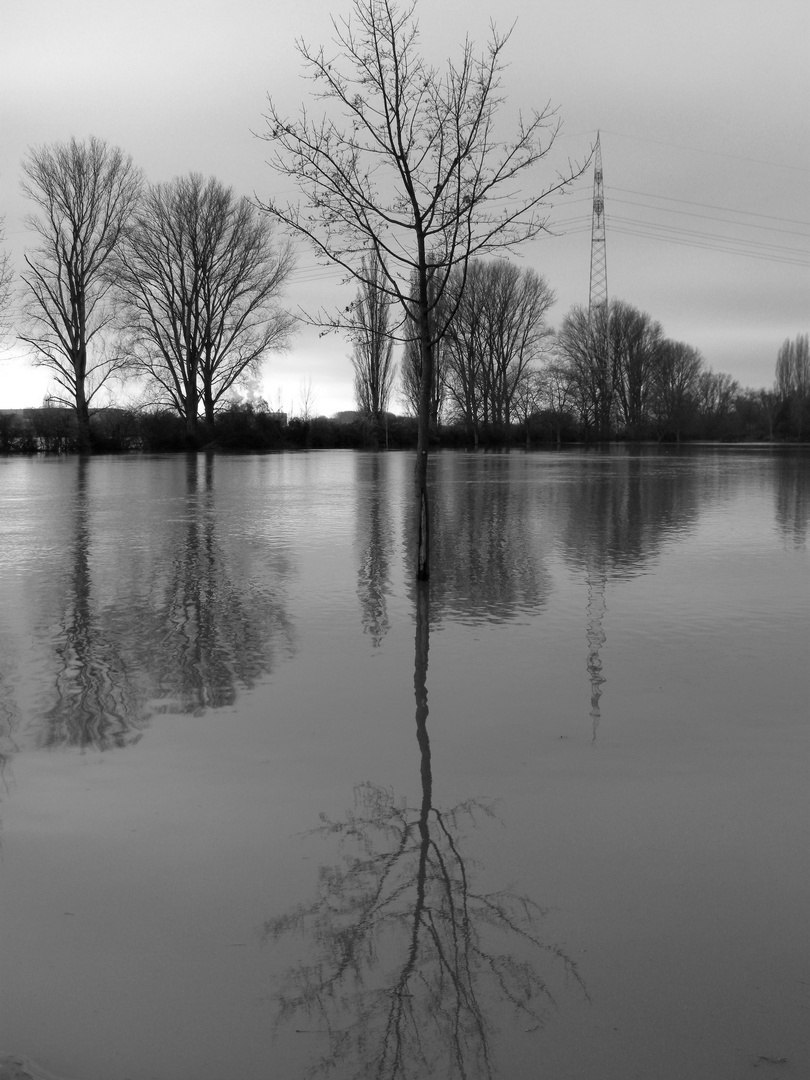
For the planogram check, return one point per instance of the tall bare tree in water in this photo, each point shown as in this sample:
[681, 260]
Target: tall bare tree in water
[409, 165]
[85, 193]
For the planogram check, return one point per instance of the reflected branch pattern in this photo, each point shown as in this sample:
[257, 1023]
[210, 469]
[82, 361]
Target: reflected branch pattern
[792, 510]
[209, 635]
[596, 639]
[489, 559]
[192, 634]
[96, 699]
[415, 970]
[9, 713]
[375, 541]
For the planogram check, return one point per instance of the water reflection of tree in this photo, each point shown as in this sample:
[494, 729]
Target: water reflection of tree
[623, 508]
[9, 710]
[595, 634]
[97, 702]
[183, 630]
[375, 542]
[202, 632]
[414, 963]
[793, 498]
[489, 561]
[616, 519]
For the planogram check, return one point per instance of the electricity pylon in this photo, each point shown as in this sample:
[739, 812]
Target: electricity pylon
[598, 294]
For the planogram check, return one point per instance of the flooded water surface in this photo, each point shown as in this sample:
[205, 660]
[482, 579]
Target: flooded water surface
[269, 810]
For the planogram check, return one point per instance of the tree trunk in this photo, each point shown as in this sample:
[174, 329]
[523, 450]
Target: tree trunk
[191, 420]
[209, 413]
[422, 521]
[82, 418]
[191, 405]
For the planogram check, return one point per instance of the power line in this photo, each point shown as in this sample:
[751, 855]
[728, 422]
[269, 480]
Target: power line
[710, 236]
[687, 238]
[709, 206]
[710, 217]
[711, 247]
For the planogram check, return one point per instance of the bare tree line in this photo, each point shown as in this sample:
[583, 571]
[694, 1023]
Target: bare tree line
[177, 284]
[609, 374]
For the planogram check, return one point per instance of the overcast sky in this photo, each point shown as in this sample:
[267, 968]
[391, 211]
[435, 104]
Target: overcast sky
[702, 107]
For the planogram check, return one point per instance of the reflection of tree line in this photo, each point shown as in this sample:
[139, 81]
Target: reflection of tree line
[9, 711]
[595, 635]
[793, 499]
[197, 631]
[96, 698]
[496, 520]
[414, 964]
[188, 639]
[487, 564]
[490, 555]
[206, 632]
[622, 509]
[621, 512]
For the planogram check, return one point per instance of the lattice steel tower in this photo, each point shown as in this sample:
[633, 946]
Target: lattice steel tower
[598, 293]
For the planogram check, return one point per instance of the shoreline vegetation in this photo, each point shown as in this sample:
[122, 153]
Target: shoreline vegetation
[244, 427]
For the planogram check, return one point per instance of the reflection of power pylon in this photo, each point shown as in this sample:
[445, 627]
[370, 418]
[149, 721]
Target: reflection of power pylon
[598, 293]
[596, 639]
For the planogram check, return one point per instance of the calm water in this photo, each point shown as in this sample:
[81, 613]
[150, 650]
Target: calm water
[266, 807]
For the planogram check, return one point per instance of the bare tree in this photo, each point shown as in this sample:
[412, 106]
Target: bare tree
[634, 343]
[528, 398]
[307, 396]
[583, 346]
[372, 356]
[199, 279]
[415, 171]
[715, 394]
[768, 401]
[676, 383]
[793, 379]
[85, 193]
[6, 278]
[498, 332]
[558, 394]
[465, 351]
